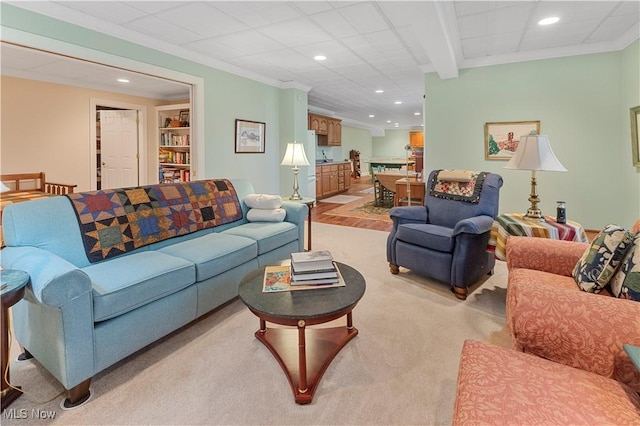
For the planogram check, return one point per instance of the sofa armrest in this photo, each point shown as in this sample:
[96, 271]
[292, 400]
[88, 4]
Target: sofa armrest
[296, 212]
[542, 254]
[566, 325]
[53, 280]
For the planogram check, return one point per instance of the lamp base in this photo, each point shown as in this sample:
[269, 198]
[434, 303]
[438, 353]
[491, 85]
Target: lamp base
[534, 214]
[295, 196]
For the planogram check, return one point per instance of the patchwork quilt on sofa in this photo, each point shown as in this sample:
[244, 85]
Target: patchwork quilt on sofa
[115, 221]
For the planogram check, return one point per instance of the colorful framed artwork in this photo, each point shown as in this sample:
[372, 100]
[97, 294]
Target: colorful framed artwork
[635, 132]
[250, 137]
[501, 138]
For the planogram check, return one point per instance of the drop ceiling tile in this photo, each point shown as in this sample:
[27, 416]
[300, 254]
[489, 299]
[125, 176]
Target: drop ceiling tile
[474, 25]
[360, 44]
[572, 11]
[612, 28]
[258, 13]
[335, 24]
[211, 47]
[152, 7]
[510, 19]
[312, 7]
[110, 11]
[162, 30]
[202, 19]
[296, 33]
[627, 8]
[365, 17]
[249, 42]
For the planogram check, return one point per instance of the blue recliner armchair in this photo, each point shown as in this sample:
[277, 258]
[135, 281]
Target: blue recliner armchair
[446, 239]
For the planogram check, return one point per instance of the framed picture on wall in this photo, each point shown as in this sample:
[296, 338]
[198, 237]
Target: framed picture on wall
[250, 137]
[635, 132]
[501, 138]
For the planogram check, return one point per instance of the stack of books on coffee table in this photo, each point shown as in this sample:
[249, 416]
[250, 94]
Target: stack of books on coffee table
[313, 267]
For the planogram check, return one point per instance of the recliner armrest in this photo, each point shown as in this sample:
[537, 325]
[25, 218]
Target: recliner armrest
[474, 225]
[408, 214]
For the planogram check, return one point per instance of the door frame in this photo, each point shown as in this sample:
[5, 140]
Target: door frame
[142, 137]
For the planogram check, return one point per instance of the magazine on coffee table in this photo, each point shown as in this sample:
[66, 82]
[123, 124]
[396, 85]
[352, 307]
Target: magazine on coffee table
[278, 278]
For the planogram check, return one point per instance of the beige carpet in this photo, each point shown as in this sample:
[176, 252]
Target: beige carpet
[401, 368]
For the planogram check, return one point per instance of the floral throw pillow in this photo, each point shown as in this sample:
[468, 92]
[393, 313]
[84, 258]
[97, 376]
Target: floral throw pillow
[601, 260]
[625, 284]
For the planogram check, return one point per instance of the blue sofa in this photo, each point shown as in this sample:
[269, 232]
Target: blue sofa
[102, 289]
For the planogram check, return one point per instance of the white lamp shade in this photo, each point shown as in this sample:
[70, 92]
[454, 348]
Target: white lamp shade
[295, 156]
[534, 153]
[3, 187]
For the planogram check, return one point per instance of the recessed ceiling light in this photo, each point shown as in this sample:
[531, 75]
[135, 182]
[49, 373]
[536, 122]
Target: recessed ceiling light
[123, 80]
[549, 21]
[396, 124]
[371, 115]
[319, 57]
[388, 121]
[379, 91]
[397, 102]
[416, 113]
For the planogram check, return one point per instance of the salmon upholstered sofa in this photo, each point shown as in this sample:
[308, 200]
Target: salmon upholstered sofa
[567, 364]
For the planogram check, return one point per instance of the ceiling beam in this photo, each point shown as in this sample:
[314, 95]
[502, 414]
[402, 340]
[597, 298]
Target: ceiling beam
[430, 23]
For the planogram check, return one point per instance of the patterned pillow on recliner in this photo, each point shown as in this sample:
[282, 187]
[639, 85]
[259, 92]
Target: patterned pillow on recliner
[602, 259]
[625, 284]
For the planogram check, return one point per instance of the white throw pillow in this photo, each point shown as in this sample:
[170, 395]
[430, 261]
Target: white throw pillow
[263, 201]
[264, 215]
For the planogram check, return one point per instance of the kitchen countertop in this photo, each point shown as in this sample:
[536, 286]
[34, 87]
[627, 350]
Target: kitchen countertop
[328, 163]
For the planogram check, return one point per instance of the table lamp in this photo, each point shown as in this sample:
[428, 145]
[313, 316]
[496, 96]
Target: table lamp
[534, 153]
[294, 156]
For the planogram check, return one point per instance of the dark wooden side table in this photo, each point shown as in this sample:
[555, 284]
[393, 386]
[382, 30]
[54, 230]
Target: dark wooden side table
[310, 202]
[12, 283]
[304, 354]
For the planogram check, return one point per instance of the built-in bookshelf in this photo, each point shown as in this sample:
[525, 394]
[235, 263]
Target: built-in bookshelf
[174, 143]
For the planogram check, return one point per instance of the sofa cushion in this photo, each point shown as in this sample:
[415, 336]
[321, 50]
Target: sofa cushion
[124, 283]
[501, 386]
[268, 235]
[602, 258]
[626, 282]
[429, 236]
[214, 253]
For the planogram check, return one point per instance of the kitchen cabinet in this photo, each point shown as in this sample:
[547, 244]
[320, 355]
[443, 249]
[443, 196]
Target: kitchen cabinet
[328, 129]
[319, 124]
[332, 179]
[416, 139]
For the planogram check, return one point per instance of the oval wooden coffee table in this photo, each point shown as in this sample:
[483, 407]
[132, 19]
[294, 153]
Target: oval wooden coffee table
[304, 354]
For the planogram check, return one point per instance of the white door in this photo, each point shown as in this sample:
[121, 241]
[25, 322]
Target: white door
[119, 148]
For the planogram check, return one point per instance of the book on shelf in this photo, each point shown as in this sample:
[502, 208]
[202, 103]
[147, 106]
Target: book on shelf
[312, 261]
[278, 278]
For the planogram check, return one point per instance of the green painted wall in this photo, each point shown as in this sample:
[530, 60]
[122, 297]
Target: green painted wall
[358, 139]
[579, 101]
[227, 98]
